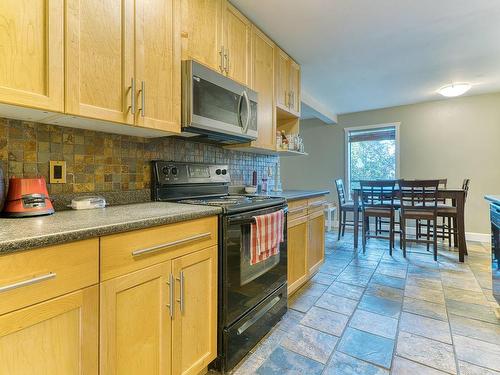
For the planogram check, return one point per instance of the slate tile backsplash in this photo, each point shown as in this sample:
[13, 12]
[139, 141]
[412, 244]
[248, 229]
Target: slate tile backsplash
[116, 166]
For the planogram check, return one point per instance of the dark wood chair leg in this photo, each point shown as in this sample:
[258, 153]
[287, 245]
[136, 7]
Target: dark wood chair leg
[435, 240]
[345, 220]
[428, 227]
[391, 234]
[340, 223]
[455, 231]
[403, 235]
[365, 230]
[449, 230]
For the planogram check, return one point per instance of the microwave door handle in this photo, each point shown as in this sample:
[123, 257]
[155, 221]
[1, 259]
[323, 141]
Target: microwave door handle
[249, 112]
[240, 102]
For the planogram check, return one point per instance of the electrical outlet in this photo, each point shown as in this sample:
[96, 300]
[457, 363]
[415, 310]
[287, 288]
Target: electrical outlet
[57, 172]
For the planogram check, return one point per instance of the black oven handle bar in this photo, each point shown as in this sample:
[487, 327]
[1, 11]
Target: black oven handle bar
[242, 220]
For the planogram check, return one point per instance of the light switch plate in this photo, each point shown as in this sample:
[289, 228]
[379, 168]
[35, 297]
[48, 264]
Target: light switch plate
[57, 170]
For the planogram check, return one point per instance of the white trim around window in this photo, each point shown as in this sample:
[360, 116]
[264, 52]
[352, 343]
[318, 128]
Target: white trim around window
[347, 154]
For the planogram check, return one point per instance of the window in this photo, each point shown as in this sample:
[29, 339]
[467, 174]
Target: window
[372, 152]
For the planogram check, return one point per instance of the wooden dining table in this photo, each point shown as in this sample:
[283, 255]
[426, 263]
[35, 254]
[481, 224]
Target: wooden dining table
[457, 197]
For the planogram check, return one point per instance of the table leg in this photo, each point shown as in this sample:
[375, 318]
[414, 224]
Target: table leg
[356, 217]
[462, 244]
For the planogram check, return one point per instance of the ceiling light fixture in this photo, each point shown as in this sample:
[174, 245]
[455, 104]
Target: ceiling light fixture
[455, 89]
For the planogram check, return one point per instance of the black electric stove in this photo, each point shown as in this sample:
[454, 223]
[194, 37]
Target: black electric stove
[251, 298]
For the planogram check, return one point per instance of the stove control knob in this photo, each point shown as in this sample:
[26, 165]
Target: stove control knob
[173, 171]
[165, 171]
[224, 172]
[218, 171]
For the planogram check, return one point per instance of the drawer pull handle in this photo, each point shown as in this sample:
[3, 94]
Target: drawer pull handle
[32, 281]
[181, 299]
[171, 295]
[320, 203]
[298, 209]
[170, 244]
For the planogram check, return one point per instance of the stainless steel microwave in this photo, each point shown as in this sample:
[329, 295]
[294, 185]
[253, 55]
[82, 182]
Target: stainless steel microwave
[215, 107]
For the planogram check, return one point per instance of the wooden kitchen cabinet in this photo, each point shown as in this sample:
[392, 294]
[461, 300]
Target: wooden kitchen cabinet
[31, 53]
[287, 84]
[297, 253]
[316, 243]
[123, 61]
[201, 31]
[57, 337]
[135, 323]
[194, 337]
[237, 30]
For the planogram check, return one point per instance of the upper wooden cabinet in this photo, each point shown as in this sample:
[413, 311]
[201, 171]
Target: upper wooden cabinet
[123, 61]
[201, 31]
[237, 31]
[287, 84]
[31, 53]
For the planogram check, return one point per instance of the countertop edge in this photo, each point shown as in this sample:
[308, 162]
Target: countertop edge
[305, 194]
[30, 243]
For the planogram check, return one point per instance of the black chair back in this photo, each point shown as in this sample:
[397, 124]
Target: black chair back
[465, 186]
[340, 191]
[377, 193]
[418, 194]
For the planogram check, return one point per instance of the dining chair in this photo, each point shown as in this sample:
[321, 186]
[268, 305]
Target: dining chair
[449, 213]
[418, 201]
[345, 206]
[377, 201]
[440, 227]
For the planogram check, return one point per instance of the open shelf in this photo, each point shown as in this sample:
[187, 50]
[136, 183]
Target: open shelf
[291, 153]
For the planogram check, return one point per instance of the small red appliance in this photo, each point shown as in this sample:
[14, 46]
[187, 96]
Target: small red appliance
[27, 197]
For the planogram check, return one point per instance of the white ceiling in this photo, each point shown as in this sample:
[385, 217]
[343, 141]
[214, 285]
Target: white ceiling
[364, 54]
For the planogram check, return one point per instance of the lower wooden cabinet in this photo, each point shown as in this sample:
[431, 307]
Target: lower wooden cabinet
[194, 338]
[57, 337]
[316, 243]
[161, 319]
[297, 253]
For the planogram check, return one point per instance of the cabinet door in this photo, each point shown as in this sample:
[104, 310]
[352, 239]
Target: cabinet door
[236, 40]
[201, 31]
[31, 53]
[295, 87]
[135, 323]
[297, 253]
[99, 59]
[195, 318]
[263, 82]
[316, 245]
[157, 64]
[57, 337]
[282, 79]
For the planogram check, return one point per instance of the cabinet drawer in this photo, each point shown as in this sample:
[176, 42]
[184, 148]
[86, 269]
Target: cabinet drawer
[297, 209]
[317, 203]
[126, 252]
[33, 276]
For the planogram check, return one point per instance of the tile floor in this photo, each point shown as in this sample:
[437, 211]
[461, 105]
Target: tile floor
[374, 314]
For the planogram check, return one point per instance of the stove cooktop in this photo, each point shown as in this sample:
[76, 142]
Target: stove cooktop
[230, 203]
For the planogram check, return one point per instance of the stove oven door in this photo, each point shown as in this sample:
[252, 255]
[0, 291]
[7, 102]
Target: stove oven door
[245, 285]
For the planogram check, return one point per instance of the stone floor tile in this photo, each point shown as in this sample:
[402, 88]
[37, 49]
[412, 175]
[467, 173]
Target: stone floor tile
[302, 302]
[338, 304]
[310, 343]
[470, 310]
[394, 272]
[431, 328]
[391, 281]
[374, 323]
[367, 347]
[426, 351]
[323, 278]
[425, 294]
[477, 352]
[312, 289]
[269, 343]
[325, 320]
[381, 306]
[425, 308]
[424, 283]
[249, 365]
[475, 329]
[465, 296]
[470, 369]
[384, 291]
[346, 290]
[403, 366]
[343, 364]
[290, 319]
[282, 361]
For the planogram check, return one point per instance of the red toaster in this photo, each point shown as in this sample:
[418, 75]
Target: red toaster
[27, 197]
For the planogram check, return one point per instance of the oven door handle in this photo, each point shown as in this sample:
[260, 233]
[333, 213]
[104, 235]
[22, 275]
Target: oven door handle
[242, 220]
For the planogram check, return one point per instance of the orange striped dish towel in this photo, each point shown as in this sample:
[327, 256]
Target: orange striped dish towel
[266, 235]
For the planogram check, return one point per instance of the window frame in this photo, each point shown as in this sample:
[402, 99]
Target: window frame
[347, 154]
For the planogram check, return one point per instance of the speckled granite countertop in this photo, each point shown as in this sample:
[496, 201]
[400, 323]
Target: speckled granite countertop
[292, 195]
[493, 198]
[67, 226]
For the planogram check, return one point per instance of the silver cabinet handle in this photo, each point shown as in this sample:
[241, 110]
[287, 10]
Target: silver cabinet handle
[298, 209]
[31, 281]
[221, 54]
[226, 60]
[170, 244]
[132, 96]
[316, 204]
[143, 98]
[292, 104]
[171, 295]
[181, 299]
[289, 100]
